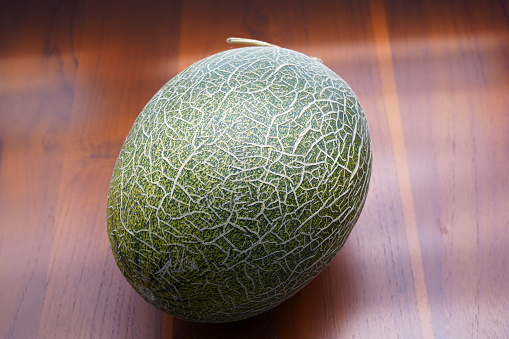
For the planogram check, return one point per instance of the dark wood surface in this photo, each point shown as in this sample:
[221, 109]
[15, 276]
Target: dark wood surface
[429, 256]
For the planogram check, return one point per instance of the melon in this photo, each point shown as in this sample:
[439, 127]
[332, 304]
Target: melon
[238, 183]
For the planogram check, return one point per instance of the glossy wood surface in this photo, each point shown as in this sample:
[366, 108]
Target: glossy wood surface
[429, 256]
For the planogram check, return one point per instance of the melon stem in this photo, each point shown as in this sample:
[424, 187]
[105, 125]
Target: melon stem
[251, 42]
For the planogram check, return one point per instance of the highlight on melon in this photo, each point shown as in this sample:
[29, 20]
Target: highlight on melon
[238, 183]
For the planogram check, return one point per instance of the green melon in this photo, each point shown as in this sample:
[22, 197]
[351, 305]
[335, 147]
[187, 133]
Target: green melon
[238, 183]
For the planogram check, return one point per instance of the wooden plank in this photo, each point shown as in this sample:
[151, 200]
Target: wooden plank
[36, 94]
[391, 103]
[450, 92]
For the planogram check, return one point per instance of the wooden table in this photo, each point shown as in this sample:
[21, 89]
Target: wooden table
[429, 256]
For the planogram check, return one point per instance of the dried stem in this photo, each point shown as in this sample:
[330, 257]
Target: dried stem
[250, 42]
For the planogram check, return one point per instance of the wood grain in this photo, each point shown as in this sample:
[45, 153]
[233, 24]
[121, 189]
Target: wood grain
[428, 257]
